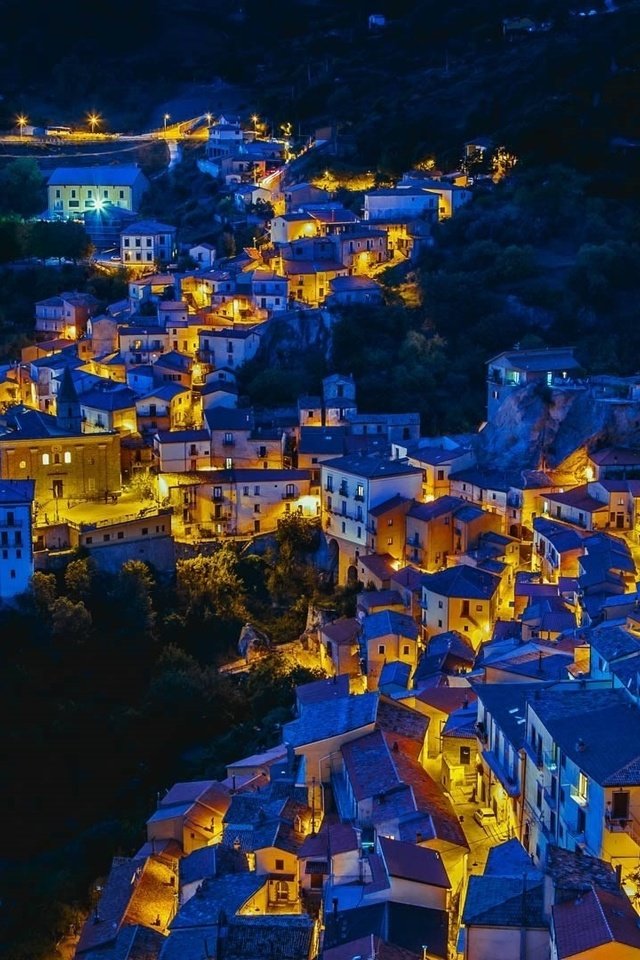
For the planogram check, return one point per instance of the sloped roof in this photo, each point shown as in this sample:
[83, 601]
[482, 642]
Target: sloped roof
[599, 917]
[368, 766]
[407, 861]
[462, 581]
[318, 723]
[389, 623]
[344, 630]
[320, 691]
[371, 466]
[499, 902]
[286, 937]
[124, 175]
[599, 730]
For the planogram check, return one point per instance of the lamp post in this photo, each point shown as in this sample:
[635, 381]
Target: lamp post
[22, 122]
[93, 119]
[167, 116]
[255, 119]
[209, 118]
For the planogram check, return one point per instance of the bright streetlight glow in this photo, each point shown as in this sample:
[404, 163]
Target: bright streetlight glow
[167, 116]
[22, 122]
[209, 118]
[93, 119]
[255, 119]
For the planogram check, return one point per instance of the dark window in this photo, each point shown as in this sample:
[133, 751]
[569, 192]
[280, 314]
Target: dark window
[465, 755]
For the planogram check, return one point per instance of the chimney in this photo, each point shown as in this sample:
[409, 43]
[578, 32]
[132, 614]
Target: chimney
[580, 745]
[619, 876]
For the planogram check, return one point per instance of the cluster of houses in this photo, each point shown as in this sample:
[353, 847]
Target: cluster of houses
[466, 781]
[347, 836]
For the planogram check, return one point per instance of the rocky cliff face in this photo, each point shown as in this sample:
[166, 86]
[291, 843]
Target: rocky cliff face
[292, 332]
[542, 425]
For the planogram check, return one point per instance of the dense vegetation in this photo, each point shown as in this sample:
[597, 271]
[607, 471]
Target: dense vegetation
[437, 75]
[110, 691]
[537, 259]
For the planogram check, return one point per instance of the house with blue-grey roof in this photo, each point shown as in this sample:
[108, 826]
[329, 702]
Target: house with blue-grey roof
[351, 486]
[500, 730]
[514, 369]
[318, 734]
[503, 914]
[582, 782]
[389, 636]
[147, 244]
[460, 598]
[448, 526]
[557, 548]
[72, 191]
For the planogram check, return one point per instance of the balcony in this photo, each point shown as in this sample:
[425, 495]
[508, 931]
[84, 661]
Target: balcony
[344, 490]
[628, 825]
[550, 762]
[578, 797]
[289, 495]
[358, 496]
[228, 442]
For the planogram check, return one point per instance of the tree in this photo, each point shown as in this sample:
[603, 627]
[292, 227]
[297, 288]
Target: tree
[43, 589]
[70, 621]
[78, 579]
[12, 239]
[133, 593]
[212, 586]
[22, 188]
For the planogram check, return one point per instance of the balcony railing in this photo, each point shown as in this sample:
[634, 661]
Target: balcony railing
[550, 762]
[289, 495]
[344, 490]
[628, 825]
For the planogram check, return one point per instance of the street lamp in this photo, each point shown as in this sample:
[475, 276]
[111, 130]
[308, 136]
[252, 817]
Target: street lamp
[209, 118]
[167, 116]
[93, 119]
[255, 119]
[22, 122]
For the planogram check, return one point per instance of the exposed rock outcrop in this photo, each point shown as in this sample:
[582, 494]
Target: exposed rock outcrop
[544, 426]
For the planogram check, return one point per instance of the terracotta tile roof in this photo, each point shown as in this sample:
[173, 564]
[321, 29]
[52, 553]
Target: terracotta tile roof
[368, 766]
[369, 946]
[402, 725]
[447, 699]
[599, 917]
[345, 630]
[332, 839]
[429, 798]
[407, 861]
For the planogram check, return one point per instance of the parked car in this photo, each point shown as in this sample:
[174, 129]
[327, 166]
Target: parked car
[484, 816]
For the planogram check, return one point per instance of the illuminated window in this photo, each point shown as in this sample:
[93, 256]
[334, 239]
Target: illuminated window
[67, 456]
[583, 785]
[23, 464]
[45, 459]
